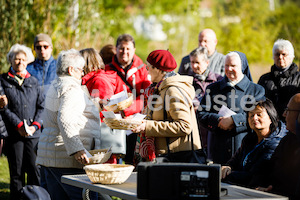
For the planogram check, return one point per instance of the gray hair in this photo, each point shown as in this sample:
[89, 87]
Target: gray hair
[282, 44]
[200, 51]
[67, 59]
[19, 48]
[233, 54]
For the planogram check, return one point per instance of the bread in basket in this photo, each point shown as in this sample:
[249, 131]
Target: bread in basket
[121, 105]
[123, 124]
[99, 156]
[108, 173]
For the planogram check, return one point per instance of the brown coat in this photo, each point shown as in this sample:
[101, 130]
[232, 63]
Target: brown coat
[181, 119]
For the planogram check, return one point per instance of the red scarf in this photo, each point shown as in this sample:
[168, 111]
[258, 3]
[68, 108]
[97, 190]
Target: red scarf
[23, 74]
[145, 147]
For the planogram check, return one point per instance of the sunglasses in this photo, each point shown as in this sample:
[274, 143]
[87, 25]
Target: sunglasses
[40, 47]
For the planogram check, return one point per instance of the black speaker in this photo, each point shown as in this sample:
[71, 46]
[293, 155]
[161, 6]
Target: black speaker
[178, 181]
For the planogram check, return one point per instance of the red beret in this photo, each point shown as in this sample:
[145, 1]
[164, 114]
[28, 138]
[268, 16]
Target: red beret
[163, 60]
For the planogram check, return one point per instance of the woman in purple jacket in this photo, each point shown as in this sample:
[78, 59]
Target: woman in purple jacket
[202, 78]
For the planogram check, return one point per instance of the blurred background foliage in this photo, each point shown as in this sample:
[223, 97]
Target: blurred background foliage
[250, 26]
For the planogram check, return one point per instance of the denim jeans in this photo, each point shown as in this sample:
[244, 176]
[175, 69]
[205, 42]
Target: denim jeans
[51, 181]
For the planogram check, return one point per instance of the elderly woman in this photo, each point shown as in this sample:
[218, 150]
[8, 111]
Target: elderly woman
[25, 107]
[249, 164]
[235, 92]
[170, 112]
[71, 126]
[202, 78]
[284, 79]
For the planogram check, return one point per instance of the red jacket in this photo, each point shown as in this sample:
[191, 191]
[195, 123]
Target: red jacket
[101, 84]
[137, 77]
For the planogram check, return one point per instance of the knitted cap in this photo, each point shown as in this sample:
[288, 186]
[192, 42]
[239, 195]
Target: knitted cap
[42, 37]
[163, 60]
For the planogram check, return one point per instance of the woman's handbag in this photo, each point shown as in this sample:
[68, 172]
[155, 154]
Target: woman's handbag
[114, 138]
[191, 156]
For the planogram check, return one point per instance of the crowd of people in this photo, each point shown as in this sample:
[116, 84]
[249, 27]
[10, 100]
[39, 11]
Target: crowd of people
[51, 113]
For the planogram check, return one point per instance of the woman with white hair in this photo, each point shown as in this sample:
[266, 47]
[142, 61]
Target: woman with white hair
[71, 126]
[284, 79]
[25, 106]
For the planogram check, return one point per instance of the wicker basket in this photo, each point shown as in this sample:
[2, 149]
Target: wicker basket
[123, 124]
[121, 105]
[99, 156]
[108, 173]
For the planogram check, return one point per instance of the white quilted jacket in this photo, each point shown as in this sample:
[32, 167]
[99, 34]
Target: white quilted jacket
[71, 123]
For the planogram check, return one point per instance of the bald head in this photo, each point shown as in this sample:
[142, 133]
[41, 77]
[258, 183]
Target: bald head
[292, 112]
[295, 101]
[207, 38]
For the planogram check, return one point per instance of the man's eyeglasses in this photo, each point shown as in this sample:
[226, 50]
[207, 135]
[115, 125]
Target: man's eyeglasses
[289, 110]
[40, 47]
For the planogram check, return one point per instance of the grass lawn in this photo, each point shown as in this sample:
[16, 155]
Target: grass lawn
[4, 179]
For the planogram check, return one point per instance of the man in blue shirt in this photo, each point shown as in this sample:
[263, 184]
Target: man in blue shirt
[44, 66]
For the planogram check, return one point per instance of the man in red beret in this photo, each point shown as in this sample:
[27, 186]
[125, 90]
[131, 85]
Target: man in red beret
[133, 72]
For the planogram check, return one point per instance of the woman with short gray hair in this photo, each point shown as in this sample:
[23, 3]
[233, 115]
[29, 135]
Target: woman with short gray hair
[284, 79]
[202, 78]
[25, 106]
[71, 126]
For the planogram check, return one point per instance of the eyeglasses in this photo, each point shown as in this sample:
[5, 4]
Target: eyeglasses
[81, 70]
[40, 47]
[283, 54]
[287, 109]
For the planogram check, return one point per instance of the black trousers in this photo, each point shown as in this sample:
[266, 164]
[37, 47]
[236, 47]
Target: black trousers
[130, 146]
[21, 156]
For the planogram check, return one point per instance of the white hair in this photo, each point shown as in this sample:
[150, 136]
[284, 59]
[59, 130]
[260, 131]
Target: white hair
[234, 54]
[282, 44]
[67, 59]
[200, 51]
[19, 48]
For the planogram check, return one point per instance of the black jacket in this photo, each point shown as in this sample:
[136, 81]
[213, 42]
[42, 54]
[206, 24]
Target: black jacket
[24, 102]
[285, 165]
[250, 161]
[3, 132]
[280, 86]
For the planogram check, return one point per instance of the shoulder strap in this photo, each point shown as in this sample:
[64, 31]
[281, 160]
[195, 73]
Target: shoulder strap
[121, 76]
[165, 118]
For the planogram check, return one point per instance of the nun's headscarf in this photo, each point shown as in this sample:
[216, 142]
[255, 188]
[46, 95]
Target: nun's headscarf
[245, 65]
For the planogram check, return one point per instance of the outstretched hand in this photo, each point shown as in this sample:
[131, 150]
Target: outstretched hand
[140, 128]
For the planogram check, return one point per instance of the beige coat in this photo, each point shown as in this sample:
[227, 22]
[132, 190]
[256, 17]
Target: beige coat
[181, 119]
[71, 124]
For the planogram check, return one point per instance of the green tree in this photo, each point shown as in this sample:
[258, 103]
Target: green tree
[288, 19]
[254, 34]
